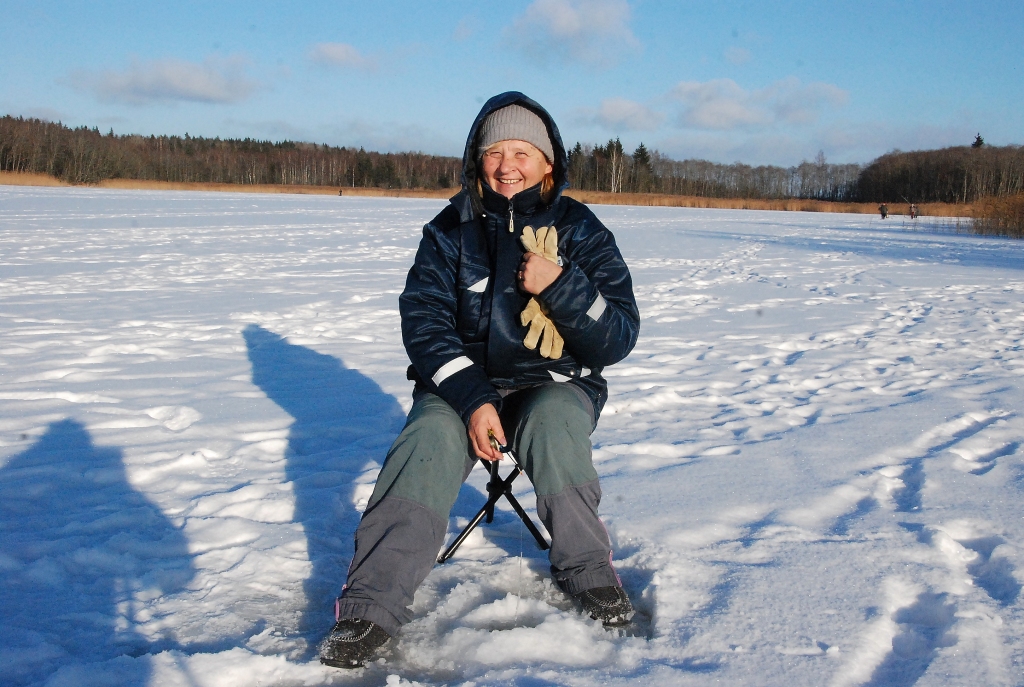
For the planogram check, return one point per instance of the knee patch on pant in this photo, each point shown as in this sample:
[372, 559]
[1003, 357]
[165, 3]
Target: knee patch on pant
[429, 460]
[551, 426]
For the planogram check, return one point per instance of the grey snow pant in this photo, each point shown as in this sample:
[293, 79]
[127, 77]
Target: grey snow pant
[404, 525]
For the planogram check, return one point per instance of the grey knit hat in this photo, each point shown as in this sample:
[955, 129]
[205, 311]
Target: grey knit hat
[515, 122]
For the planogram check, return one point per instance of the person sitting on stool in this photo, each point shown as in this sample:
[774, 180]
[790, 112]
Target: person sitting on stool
[516, 301]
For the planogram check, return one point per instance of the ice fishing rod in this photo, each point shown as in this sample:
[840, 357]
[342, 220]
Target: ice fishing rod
[504, 449]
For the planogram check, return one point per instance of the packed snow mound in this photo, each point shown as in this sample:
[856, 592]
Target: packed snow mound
[811, 462]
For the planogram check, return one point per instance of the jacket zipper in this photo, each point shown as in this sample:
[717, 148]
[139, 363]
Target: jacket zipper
[511, 212]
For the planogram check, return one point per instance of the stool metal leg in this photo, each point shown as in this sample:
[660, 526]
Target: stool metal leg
[496, 488]
[541, 542]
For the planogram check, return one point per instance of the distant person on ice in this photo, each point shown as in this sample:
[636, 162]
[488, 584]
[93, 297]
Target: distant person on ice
[883, 210]
[517, 299]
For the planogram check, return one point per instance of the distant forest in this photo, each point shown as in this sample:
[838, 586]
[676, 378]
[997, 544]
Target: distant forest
[610, 168]
[962, 174]
[83, 155]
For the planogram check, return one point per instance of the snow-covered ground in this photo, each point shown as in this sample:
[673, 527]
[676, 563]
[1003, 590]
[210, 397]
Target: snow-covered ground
[812, 461]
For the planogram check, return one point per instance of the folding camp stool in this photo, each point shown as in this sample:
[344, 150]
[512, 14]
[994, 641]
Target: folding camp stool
[496, 488]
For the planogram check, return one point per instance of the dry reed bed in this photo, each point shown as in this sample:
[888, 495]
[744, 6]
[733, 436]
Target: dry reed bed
[790, 204]
[1001, 216]
[28, 179]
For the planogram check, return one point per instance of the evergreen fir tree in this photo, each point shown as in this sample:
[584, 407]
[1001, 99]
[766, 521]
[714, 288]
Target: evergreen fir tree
[642, 158]
[642, 170]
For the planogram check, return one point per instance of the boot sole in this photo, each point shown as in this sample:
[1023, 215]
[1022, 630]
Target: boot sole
[343, 664]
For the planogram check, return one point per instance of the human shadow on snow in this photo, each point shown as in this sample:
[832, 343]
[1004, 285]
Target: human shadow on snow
[344, 421]
[79, 550]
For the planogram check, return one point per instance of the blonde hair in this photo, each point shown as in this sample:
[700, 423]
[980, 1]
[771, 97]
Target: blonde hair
[547, 187]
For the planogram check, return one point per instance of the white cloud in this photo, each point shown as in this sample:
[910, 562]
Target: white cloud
[842, 142]
[595, 32]
[341, 55]
[763, 148]
[215, 80]
[464, 29]
[794, 103]
[865, 141]
[738, 56]
[723, 105]
[717, 104]
[620, 114]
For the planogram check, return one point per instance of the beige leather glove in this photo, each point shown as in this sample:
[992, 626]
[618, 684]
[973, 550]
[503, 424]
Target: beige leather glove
[544, 243]
[541, 325]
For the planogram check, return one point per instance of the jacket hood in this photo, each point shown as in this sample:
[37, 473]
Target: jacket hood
[468, 201]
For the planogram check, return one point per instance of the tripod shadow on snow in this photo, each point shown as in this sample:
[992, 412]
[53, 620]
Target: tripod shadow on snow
[82, 557]
[344, 422]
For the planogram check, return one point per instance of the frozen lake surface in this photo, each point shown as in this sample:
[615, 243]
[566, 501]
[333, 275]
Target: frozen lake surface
[812, 462]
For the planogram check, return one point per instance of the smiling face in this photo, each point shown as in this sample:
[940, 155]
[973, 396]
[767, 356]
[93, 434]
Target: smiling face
[512, 166]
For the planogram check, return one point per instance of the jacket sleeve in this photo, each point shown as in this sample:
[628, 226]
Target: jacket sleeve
[428, 308]
[591, 302]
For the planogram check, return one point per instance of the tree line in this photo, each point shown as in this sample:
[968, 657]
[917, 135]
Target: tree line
[84, 155]
[609, 168]
[961, 174]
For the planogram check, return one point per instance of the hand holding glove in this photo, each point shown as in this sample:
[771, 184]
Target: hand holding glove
[544, 243]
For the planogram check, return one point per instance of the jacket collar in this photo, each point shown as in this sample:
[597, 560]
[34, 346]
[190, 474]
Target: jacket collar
[526, 202]
[470, 206]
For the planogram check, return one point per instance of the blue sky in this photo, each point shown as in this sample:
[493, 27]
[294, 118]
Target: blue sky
[757, 82]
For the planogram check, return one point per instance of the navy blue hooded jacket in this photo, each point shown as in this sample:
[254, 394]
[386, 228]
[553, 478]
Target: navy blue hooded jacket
[461, 304]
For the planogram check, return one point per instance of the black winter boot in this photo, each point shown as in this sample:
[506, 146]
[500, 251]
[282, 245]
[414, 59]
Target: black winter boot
[610, 605]
[351, 642]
